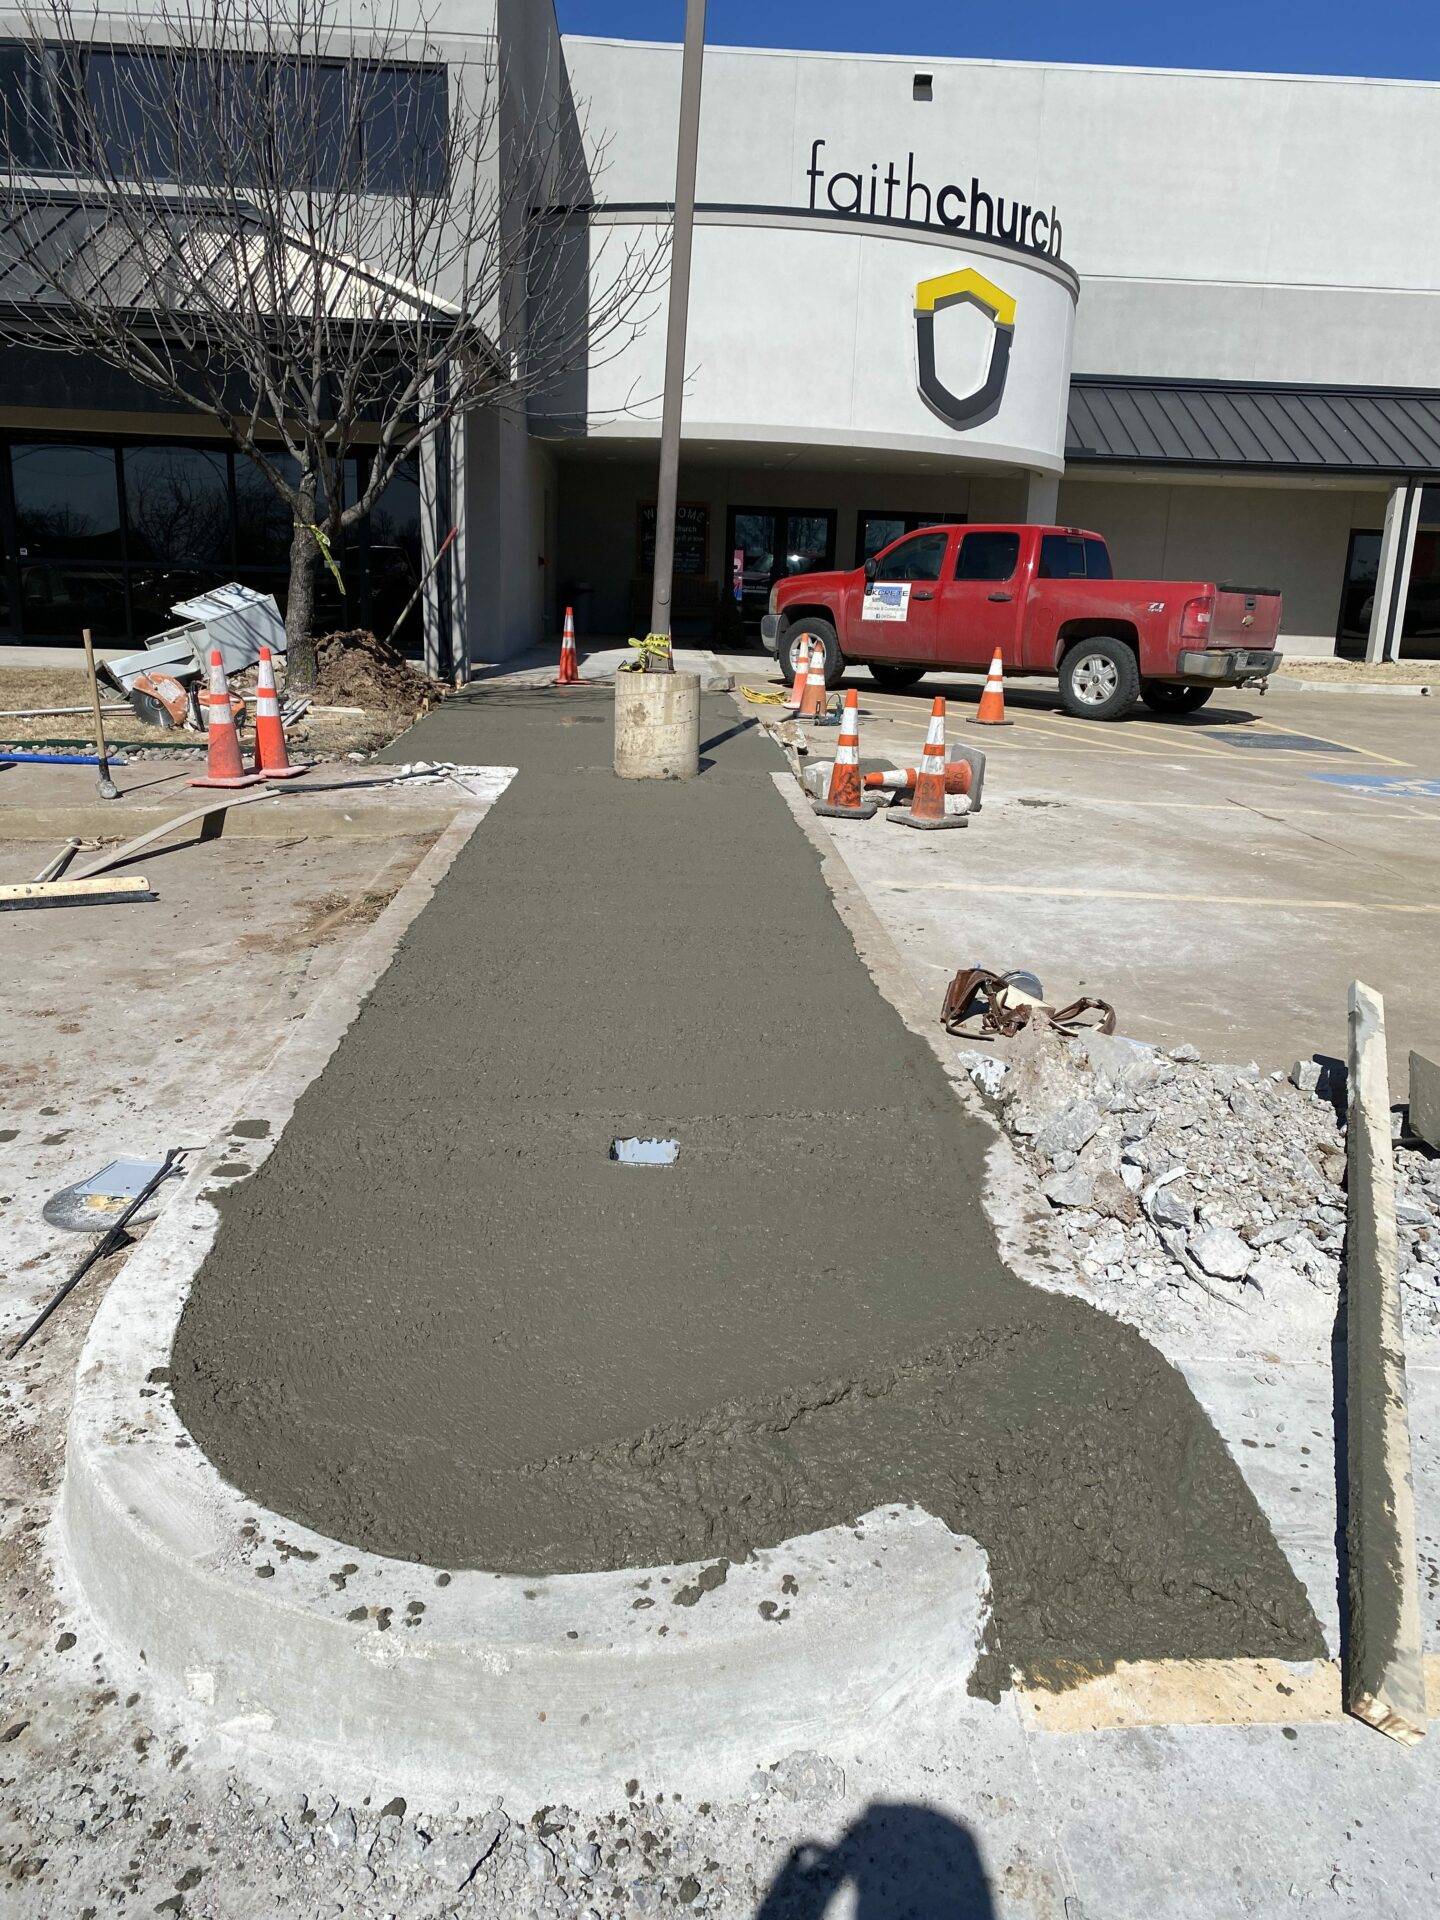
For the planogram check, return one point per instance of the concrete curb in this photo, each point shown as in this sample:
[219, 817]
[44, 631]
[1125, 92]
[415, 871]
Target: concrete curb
[313, 1658]
[1418, 690]
[1385, 1678]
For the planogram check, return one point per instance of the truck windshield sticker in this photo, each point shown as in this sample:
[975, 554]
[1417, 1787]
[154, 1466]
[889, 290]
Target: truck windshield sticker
[886, 600]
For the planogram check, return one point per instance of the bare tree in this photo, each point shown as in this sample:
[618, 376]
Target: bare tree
[323, 235]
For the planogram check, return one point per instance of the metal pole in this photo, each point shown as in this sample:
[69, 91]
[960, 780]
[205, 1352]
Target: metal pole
[680, 249]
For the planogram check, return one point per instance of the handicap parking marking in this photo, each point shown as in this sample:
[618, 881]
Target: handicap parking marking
[1386, 786]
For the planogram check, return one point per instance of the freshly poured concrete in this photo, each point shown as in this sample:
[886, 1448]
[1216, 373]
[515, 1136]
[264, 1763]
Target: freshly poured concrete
[440, 1323]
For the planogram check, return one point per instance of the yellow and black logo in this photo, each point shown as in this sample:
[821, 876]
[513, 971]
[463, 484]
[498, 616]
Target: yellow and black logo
[950, 290]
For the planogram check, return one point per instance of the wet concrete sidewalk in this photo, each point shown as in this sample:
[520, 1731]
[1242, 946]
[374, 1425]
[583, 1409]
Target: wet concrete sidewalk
[441, 1323]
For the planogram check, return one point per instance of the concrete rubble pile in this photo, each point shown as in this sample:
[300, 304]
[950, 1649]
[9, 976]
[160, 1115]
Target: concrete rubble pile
[1218, 1186]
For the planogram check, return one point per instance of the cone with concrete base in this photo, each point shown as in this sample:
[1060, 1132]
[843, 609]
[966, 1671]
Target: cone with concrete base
[927, 809]
[991, 710]
[846, 798]
[223, 765]
[569, 674]
[796, 697]
[271, 759]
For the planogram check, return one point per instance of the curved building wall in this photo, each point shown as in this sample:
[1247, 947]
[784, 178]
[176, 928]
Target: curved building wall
[820, 331]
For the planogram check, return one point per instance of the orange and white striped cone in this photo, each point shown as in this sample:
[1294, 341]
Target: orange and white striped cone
[569, 674]
[927, 808]
[814, 702]
[223, 765]
[901, 779]
[991, 710]
[802, 680]
[271, 759]
[846, 798]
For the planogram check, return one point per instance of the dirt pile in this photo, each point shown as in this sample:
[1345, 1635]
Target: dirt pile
[354, 669]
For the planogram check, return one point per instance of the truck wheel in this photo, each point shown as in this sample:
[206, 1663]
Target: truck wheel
[1164, 697]
[812, 628]
[1099, 679]
[894, 679]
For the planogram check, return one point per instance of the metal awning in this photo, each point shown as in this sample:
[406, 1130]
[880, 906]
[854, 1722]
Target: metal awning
[1252, 427]
[143, 258]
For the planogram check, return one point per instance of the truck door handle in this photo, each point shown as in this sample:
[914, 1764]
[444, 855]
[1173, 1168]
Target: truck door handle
[923, 596]
[999, 596]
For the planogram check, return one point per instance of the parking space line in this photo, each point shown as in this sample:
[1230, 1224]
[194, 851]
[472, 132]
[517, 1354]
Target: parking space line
[1169, 899]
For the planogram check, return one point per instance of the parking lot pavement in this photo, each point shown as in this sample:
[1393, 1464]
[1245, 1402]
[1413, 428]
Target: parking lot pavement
[1219, 879]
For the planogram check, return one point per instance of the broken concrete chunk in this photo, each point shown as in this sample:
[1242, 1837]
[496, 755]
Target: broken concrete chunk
[1073, 1189]
[1221, 1253]
[1185, 1052]
[1170, 1206]
[1068, 1130]
[1274, 1230]
[1113, 1198]
[1305, 1074]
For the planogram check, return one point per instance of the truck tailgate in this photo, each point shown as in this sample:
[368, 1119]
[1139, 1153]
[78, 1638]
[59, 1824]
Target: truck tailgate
[1244, 617]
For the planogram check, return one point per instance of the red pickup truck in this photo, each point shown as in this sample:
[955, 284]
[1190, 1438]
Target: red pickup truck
[1047, 599]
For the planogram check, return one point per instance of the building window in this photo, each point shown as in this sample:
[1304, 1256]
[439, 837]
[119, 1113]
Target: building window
[177, 505]
[163, 115]
[875, 530]
[67, 501]
[1420, 622]
[110, 536]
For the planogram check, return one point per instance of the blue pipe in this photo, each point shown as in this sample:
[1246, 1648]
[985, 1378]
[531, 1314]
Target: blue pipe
[58, 759]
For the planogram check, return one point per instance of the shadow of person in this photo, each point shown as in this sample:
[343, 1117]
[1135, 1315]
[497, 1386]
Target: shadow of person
[900, 1862]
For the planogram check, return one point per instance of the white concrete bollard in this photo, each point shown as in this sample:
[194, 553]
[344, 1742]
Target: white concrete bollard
[657, 726]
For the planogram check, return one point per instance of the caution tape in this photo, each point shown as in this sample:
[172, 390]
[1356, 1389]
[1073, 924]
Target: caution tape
[761, 697]
[655, 646]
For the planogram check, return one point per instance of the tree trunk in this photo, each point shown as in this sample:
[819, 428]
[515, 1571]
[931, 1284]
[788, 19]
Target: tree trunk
[300, 601]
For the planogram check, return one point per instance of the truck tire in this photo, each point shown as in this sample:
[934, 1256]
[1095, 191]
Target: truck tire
[1166, 698]
[894, 679]
[812, 628]
[1099, 679]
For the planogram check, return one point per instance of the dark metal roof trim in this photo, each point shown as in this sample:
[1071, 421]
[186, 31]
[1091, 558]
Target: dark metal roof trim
[1253, 426]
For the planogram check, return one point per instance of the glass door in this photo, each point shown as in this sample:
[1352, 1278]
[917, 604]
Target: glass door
[773, 542]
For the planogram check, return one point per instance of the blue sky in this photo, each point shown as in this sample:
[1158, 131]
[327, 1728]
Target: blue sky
[1393, 38]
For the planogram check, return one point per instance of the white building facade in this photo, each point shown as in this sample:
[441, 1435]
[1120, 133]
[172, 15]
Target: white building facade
[1198, 313]
[1224, 326]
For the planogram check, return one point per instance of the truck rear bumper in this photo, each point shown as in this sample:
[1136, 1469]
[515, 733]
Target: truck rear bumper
[1232, 664]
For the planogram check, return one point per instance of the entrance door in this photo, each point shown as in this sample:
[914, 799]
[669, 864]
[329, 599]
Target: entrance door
[774, 542]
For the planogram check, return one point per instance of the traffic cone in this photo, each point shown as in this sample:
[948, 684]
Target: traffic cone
[223, 765]
[814, 703]
[802, 680]
[569, 674]
[927, 809]
[964, 774]
[271, 759]
[846, 799]
[902, 779]
[991, 710]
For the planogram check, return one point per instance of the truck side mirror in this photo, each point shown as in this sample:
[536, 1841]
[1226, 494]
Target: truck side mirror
[870, 569]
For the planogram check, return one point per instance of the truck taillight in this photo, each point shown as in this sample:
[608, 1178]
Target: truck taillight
[1195, 620]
